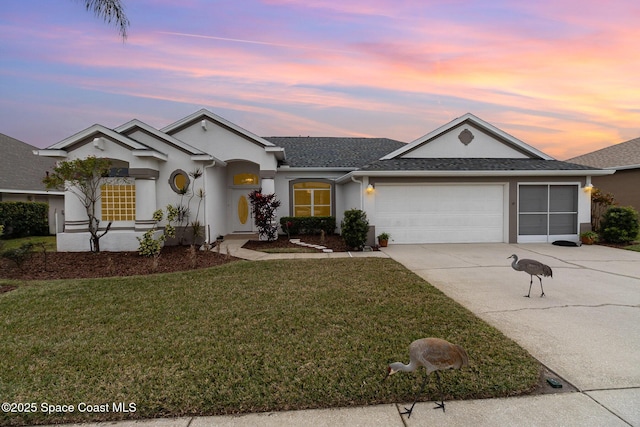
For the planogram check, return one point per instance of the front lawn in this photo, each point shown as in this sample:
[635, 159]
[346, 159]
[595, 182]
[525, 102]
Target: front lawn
[49, 243]
[241, 337]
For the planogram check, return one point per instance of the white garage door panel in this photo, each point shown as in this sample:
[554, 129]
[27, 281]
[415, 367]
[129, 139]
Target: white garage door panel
[440, 213]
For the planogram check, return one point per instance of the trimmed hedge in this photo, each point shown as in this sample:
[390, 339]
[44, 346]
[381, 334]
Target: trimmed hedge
[308, 224]
[21, 219]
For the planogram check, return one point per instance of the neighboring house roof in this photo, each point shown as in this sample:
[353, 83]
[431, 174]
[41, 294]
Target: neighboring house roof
[625, 155]
[328, 152]
[20, 170]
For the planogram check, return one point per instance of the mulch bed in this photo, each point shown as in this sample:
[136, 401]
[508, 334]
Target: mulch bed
[72, 265]
[332, 241]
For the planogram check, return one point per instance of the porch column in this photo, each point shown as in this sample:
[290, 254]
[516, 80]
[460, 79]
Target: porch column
[267, 180]
[145, 203]
[75, 215]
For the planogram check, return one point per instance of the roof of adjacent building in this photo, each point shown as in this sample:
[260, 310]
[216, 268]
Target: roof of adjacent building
[330, 152]
[617, 156]
[472, 164]
[20, 169]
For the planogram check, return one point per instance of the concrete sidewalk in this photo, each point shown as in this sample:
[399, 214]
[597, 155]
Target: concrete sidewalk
[234, 247]
[587, 330]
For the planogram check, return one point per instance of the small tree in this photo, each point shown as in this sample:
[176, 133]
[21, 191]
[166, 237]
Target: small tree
[600, 202]
[83, 178]
[264, 208]
[355, 227]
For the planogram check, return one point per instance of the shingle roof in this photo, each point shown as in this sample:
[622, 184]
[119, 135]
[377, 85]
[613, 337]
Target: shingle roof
[471, 164]
[622, 154]
[20, 169]
[328, 152]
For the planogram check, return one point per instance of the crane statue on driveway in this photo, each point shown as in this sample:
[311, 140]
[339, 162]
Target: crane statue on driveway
[435, 355]
[532, 268]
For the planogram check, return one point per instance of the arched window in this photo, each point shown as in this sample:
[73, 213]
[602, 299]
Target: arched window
[312, 198]
[245, 179]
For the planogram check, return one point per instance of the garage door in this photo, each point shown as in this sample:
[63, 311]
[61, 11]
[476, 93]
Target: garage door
[440, 213]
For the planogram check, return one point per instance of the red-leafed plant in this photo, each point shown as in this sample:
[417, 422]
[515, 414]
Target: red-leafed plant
[264, 208]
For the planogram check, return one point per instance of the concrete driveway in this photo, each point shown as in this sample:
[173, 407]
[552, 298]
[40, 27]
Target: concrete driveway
[587, 327]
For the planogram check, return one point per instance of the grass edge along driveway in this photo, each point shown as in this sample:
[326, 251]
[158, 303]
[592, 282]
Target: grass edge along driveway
[243, 337]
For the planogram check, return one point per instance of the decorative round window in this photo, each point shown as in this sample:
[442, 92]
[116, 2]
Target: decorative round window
[179, 181]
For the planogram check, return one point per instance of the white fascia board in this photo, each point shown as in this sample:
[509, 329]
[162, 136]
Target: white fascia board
[215, 118]
[135, 123]
[150, 153]
[134, 145]
[208, 158]
[478, 122]
[450, 173]
[621, 168]
[62, 154]
[278, 151]
[38, 192]
[316, 169]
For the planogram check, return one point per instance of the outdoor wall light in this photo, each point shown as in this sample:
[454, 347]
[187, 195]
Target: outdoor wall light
[370, 189]
[588, 188]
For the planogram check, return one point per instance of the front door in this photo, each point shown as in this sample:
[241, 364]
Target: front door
[241, 211]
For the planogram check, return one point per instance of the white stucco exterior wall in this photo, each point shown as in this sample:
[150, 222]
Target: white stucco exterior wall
[449, 145]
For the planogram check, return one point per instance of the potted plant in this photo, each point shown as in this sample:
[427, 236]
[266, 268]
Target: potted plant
[383, 239]
[588, 237]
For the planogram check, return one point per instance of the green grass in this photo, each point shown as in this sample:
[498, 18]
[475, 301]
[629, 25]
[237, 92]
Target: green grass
[49, 242]
[243, 337]
[634, 247]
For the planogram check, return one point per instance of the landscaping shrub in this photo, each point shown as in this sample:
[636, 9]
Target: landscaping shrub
[308, 224]
[22, 219]
[620, 224]
[19, 255]
[355, 227]
[264, 208]
[151, 246]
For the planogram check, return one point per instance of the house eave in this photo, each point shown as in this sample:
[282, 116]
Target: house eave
[36, 192]
[60, 154]
[150, 154]
[208, 158]
[277, 151]
[313, 169]
[453, 173]
[476, 121]
[621, 168]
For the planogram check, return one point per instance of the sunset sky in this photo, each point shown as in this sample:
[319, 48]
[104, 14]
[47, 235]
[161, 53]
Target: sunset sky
[561, 75]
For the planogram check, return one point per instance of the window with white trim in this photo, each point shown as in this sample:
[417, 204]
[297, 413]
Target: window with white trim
[312, 198]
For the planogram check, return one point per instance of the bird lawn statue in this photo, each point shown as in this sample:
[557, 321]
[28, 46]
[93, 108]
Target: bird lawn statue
[435, 355]
[532, 268]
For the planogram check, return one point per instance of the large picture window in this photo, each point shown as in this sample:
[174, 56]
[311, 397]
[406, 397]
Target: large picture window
[118, 202]
[312, 198]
